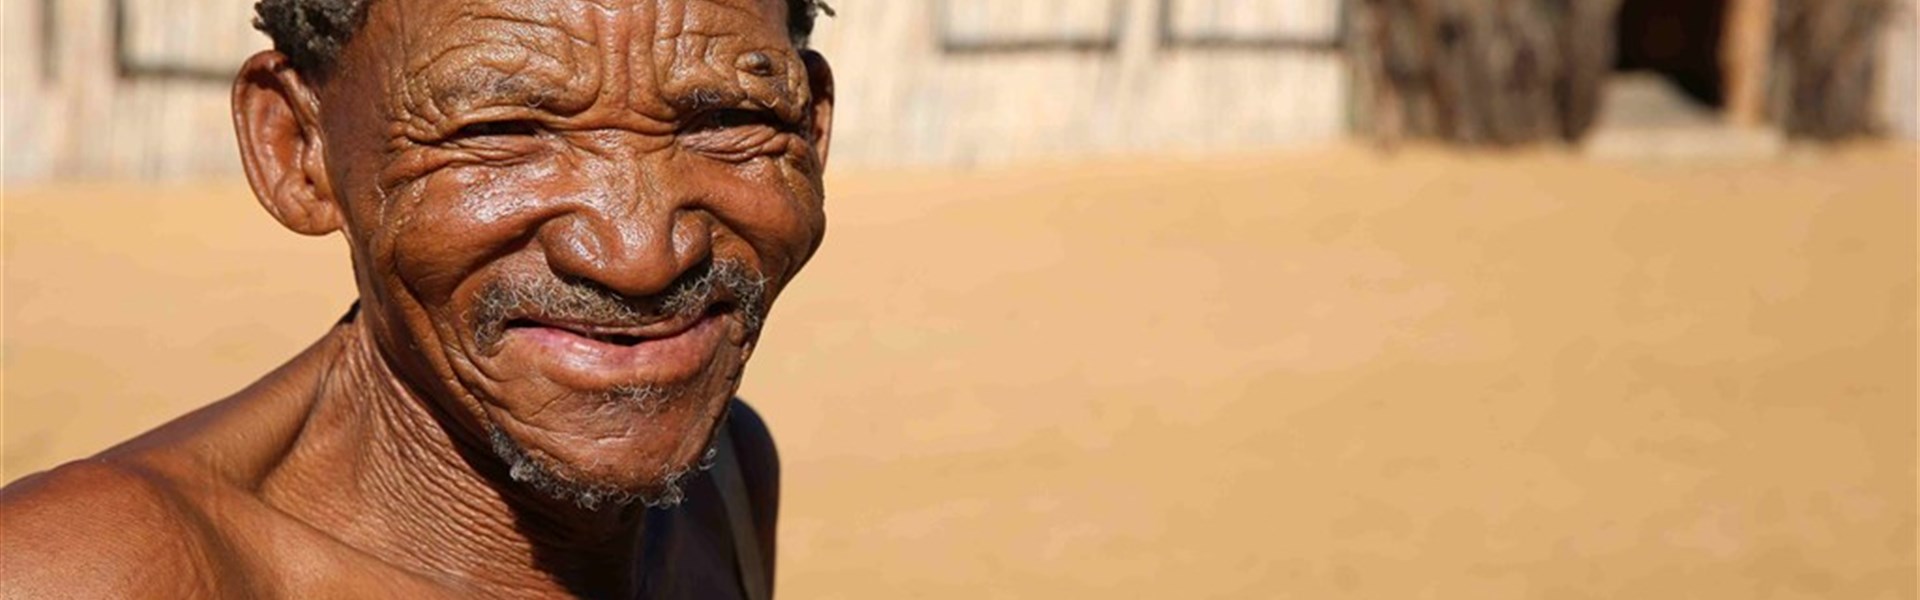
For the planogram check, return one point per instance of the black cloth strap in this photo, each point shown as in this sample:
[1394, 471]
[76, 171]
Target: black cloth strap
[728, 473]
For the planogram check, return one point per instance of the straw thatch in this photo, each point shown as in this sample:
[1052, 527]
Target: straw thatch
[1827, 67]
[1496, 72]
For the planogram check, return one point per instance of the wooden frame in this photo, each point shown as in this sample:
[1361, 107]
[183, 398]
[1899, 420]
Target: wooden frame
[129, 66]
[1171, 39]
[1105, 43]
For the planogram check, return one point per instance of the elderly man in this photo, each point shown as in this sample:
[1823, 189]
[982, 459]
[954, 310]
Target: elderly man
[567, 219]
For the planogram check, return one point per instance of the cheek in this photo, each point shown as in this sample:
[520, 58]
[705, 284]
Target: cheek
[460, 220]
[773, 208]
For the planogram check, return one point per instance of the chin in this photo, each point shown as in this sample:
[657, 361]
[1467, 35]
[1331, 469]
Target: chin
[643, 469]
[615, 442]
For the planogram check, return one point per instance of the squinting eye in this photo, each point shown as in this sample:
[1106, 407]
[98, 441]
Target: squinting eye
[736, 117]
[516, 127]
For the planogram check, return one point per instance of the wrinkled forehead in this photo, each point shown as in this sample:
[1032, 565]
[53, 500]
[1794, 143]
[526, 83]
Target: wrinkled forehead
[545, 44]
[640, 21]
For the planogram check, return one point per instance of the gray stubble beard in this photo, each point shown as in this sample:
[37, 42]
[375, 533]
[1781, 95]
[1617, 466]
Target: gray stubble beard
[554, 482]
[568, 299]
[564, 299]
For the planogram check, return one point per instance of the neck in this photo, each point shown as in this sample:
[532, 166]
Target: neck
[395, 476]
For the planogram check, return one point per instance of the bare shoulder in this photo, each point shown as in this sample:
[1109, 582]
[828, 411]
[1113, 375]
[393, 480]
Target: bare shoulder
[102, 528]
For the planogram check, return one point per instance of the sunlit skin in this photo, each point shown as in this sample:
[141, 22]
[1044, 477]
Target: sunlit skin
[478, 155]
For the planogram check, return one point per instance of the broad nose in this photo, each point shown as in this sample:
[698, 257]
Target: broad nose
[636, 244]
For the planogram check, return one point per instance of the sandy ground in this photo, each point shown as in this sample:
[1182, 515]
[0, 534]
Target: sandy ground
[1326, 374]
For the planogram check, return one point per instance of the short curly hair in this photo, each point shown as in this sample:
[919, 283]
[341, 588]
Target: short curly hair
[312, 32]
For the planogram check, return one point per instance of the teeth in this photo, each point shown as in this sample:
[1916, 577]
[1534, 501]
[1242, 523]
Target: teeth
[612, 338]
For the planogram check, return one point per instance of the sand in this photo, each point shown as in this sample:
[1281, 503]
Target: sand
[1315, 374]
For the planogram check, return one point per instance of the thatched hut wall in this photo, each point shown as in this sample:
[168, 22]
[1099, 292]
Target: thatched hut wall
[138, 88]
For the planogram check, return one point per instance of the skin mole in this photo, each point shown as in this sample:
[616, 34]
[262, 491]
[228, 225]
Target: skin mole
[755, 63]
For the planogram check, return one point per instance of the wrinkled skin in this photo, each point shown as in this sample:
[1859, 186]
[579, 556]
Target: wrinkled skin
[621, 146]
[461, 146]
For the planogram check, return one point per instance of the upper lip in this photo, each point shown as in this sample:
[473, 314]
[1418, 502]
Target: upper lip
[651, 329]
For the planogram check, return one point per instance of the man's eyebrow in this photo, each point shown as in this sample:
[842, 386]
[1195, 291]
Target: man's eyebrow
[473, 89]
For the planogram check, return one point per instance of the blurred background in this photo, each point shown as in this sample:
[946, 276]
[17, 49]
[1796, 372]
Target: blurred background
[1175, 298]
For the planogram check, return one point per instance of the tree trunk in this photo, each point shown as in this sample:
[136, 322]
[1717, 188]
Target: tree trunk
[1827, 61]
[1481, 72]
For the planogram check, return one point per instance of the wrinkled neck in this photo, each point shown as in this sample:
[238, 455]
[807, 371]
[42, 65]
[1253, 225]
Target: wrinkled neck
[398, 476]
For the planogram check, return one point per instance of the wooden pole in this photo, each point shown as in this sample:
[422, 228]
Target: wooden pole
[1828, 63]
[1746, 59]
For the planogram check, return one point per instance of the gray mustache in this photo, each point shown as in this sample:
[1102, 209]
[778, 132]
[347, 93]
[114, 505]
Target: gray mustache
[563, 299]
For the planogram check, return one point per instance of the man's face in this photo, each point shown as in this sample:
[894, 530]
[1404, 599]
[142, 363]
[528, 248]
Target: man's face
[567, 217]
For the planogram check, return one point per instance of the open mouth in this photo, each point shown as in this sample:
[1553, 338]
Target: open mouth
[601, 356]
[625, 335]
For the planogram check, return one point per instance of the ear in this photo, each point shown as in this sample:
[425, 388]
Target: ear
[276, 116]
[820, 81]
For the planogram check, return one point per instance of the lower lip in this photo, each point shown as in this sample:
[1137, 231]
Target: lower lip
[577, 361]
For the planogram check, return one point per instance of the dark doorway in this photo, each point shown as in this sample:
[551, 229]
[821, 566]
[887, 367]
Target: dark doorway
[1679, 39]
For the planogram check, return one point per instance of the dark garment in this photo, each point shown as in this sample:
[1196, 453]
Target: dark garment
[707, 547]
